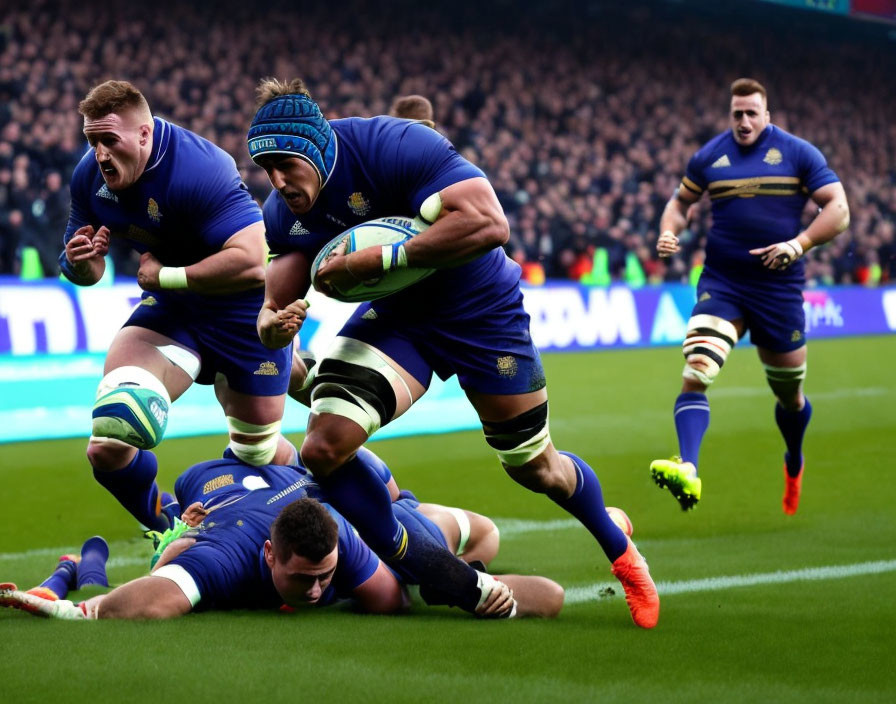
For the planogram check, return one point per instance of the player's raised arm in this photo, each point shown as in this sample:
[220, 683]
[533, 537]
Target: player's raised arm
[673, 220]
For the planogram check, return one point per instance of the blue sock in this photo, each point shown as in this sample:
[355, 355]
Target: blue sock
[587, 505]
[62, 579]
[135, 488]
[359, 493]
[792, 425]
[691, 421]
[357, 490]
[92, 567]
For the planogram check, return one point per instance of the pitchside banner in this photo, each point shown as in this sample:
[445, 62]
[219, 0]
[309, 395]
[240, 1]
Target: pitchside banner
[53, 337]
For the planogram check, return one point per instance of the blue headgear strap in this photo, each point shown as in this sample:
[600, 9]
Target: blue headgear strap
[294, 125]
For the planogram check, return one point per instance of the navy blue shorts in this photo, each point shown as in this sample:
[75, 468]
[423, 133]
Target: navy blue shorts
[773, 314]
[226, 343]
[491, 352]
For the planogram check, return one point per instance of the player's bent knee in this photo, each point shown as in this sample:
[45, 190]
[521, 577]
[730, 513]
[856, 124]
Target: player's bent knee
[356, 383]
[131, 406]
[706, 347]
[786, 382]
[257, 444]
[520, 440]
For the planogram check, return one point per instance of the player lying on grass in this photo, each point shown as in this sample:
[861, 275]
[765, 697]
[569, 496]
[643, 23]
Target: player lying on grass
[235, 558]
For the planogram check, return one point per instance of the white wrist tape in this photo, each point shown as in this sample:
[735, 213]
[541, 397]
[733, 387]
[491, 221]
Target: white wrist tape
[173, 277]
[797, 248]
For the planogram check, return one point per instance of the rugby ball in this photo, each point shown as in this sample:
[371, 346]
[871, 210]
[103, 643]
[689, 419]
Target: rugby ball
[374, 233]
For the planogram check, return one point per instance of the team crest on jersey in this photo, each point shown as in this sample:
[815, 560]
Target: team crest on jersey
[358, 203]
[720, 162]
[773, 157]
[217, 483]
[507, 366]
[267, 369]
[149, 301]
[152, 209]
[298, 229]
[796, 336]
[705, 297]
[370, 315]
[104, 192]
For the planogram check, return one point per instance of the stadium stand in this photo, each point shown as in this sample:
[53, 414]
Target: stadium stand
[582, 113]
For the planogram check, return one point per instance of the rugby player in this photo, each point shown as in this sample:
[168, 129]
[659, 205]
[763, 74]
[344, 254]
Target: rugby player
[264, 538]
[179, 201]
[465, 319]
[413, 107]
[759, 179]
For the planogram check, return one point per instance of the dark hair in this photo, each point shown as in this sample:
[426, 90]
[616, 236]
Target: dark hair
[304, 528]
[111, 97]
[748, 86]
[413, 107]
[270, 88]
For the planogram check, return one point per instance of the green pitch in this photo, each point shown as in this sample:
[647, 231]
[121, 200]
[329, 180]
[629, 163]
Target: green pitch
[756, 605]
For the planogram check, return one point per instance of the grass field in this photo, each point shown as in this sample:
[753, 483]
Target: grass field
[756, 605]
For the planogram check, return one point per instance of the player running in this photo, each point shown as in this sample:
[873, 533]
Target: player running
[466, 319]
[179, 201]
[758, 178]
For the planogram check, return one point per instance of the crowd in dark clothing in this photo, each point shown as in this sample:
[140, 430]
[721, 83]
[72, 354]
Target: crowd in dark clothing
[582, 114]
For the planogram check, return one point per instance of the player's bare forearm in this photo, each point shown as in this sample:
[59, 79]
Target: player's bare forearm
[238, 266]
[673, 220]
[830, 221]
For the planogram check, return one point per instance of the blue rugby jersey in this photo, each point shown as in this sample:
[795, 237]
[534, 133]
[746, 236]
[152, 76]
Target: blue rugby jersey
[187, 203]
[388, 166]
[757, 194]
[227, 561]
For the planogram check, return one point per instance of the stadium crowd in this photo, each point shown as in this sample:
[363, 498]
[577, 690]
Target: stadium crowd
[583, 114]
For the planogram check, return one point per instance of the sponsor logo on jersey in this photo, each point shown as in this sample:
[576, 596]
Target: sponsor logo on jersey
[217, 483]
[507, 366]
[152, 209]
[333, 218]
[720, 162]
[298, 229]
[304, 481]
[149, 301]
[359, 204]
[773, 157]
[104, 192]
[370, 315]
[267, 369]
[705, 297]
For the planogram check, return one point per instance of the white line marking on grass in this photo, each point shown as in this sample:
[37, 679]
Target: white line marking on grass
[748, 391]
[514, 526]
[55, 553]
[578, 595]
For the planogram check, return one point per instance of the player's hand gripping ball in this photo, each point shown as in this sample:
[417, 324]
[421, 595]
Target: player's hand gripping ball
[374, 233]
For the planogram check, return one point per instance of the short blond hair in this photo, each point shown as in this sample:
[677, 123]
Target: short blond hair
[112, 97]
[748, 86]
[269, 89]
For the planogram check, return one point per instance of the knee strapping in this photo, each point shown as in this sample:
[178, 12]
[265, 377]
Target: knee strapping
[706, 347]
[263, 441]
[785, 381]
[355, 382]
[131, 406]
[521, 439]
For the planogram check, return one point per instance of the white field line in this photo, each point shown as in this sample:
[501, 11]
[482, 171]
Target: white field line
[747, 391]
[578, 595]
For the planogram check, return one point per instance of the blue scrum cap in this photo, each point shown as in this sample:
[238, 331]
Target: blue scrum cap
[294, 125]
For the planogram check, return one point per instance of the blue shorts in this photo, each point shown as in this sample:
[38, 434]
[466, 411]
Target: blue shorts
[491, 352]
[773, 314]
[224, 337]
